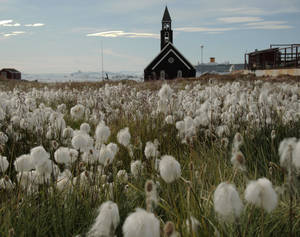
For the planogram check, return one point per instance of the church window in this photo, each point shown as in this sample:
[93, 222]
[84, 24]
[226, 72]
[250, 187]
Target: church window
[162, 75]
[179, 74]
[166, 36]
[171, 60]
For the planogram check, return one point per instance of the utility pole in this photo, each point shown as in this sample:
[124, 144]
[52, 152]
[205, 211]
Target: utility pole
[102, 61]
[201, 46]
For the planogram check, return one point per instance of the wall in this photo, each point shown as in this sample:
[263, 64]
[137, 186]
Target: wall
[274, 72]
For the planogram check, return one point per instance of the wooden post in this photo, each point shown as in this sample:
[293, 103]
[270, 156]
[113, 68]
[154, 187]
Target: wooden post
[285, 57]
[297, 56]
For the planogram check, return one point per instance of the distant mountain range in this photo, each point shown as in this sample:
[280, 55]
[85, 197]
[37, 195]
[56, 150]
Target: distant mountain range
[80, 76]
[83, 76]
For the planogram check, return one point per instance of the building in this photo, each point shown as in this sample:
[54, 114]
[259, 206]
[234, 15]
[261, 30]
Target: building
[169, 63]
[10, 73]
[282, 56]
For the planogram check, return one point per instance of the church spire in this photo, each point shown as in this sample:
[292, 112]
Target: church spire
[166, 34]
[166, 17]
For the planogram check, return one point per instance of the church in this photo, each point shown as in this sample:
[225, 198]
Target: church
[169, 63]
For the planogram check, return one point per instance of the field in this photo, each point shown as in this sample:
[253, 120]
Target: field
[211, 157]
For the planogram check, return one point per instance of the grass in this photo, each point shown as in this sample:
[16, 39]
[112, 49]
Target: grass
[205, 163]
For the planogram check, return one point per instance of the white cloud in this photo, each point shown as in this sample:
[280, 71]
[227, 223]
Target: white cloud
[35, 25]
[269, 25]
[258, 11]
[242, 19]
[4, 22]
[120, 33]
[14, 33]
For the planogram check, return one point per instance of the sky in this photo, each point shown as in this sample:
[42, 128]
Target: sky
[64, 36]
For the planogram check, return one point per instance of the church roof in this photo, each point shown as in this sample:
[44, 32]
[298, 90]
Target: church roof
[166, 17]
[164, 53]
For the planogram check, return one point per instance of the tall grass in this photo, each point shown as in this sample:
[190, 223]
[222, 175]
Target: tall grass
[205, 163]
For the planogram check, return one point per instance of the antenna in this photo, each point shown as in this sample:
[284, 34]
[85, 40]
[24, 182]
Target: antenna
[102, 69]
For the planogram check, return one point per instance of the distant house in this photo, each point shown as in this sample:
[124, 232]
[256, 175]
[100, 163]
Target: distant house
[169, 63]
[276, 57]
[10, 73]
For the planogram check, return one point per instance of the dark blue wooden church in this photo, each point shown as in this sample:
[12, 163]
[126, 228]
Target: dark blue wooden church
[169, 63]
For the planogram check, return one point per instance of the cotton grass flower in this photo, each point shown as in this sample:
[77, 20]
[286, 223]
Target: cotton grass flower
[122, 176]
[261, 194]
[136, 168]
[151, 150]
[193, 225]
[165, 93]
[65, 155]
[3, 164]
[85, 127]
[124, 137]
[238, 161]
[39, 156]
[169, 119]
[151, 195]
[6, 184]
[141, 223]
[106, 222]
[3, 138]
[296, 155]
[169, 169]
[227, 203]
[286, 151]
[23, 163]
[169, 230]
[77, 112]
[238, 141]
[102, 133]
[82, 141]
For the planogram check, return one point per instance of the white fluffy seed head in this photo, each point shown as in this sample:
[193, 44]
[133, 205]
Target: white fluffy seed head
[82, 141]
[85, 127]
[124, 137]
[65, 155]
[77, 112]
[3, 164]
[107, 220]
[227, 203]
[169, 119]
[102, 133]
[39, 156]
[238, 161]
[136, 168]
[151, 150]
[165, 93]
[286, 150]
[192, 224]
[261, 194]
[23, 163]
[141, 223]
[105, 155]
[169, 169]
[122, 176]
[296, 155]
[238, 140]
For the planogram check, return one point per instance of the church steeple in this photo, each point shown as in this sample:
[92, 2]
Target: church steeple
[166, 17]
[166, 34]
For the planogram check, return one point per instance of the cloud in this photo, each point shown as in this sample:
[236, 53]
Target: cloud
[5, 22]
[242, 19]
[269, 25]
[14, 33]
[120, 33]
[204, 29]
[35, 25]
[258, 11]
